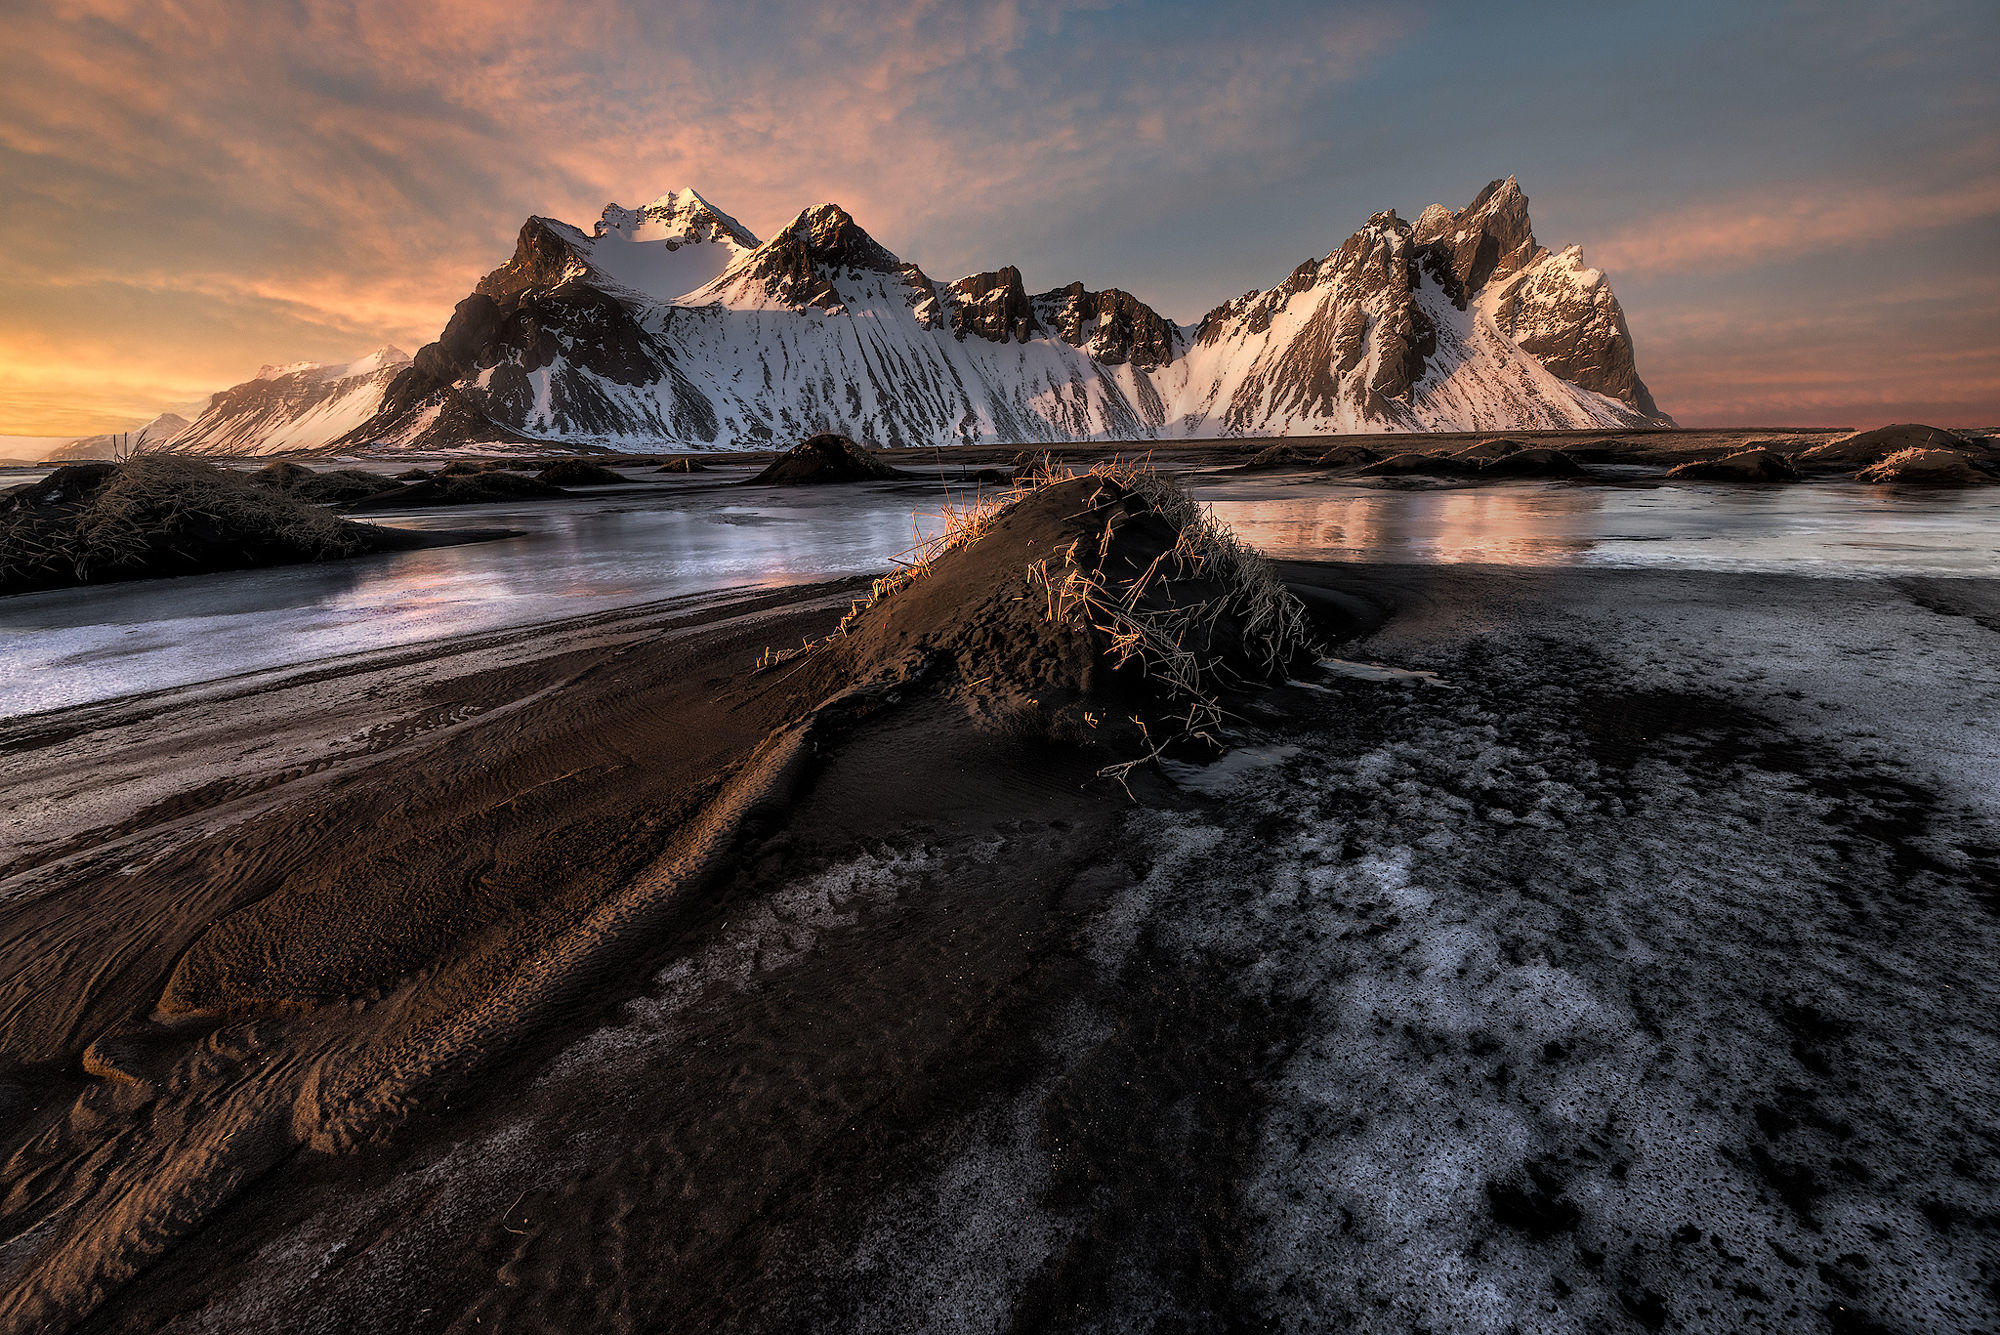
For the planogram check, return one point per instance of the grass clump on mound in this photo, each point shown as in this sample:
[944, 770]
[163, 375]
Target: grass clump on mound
[163, 515]
[1105, 606]
[579, 473]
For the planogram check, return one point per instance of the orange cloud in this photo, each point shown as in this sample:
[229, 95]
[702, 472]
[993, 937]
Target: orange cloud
[335, 176]
[1754, 226]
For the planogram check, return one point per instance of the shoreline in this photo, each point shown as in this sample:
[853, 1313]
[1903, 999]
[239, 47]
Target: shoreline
[942, 936]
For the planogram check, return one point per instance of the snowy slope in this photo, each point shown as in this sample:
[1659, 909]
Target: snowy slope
[302, 406]
[156, 434]
[672, 326]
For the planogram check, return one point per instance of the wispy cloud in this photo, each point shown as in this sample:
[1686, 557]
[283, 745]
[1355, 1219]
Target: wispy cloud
[358, 164]
[1751, 227]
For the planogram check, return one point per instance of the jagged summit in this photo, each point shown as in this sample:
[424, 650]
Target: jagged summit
[677, 216]
[671, 325]
[830, 235]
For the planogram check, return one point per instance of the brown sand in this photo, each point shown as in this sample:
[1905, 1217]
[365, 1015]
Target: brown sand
[321, 948]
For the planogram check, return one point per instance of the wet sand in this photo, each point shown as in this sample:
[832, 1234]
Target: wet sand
[1631, 973]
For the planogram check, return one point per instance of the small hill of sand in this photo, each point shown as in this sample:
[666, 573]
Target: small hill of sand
[1092, 608]
[1928, 467]
[825, 458]
[1864, 448]
[1499, 447]
[579, 473]
[448, 488]
[1530, 463]
[340, 486]
[1757, 465]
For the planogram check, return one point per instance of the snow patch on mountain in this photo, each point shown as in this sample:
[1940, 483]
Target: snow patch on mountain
[672, 326]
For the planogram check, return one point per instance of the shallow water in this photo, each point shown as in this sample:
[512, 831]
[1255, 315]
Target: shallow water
[1829, 528]
[613, 548]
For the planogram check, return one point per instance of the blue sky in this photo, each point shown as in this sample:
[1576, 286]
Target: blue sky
[1798, 204]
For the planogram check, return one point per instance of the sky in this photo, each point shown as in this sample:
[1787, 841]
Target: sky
[1797, 203]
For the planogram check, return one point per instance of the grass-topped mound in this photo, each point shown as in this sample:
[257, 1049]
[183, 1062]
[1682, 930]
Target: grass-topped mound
[1103, 607]
[1863, 449]
[1754, 465]
[448, 488]
[163, 515]
[579, 473]
[1930, 468]
[822, 459]
[339, 486]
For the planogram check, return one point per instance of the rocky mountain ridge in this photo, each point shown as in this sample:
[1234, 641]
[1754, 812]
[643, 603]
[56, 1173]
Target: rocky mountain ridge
[673, 326]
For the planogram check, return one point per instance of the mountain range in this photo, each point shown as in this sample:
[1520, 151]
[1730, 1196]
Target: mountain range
[672, 326]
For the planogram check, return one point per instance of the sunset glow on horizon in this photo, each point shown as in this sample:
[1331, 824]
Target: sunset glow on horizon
[1797, 205]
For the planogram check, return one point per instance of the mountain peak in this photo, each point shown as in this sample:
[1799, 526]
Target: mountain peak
[1490, 237]
[829, 235]
[678, 215]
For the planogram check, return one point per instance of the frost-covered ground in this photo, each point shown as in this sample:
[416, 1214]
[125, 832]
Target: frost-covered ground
[1640, 976]
[1622, 957]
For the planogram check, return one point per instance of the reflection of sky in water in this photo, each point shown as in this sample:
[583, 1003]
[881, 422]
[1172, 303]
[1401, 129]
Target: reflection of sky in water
[1824, 529]
[65, 646]
[612, 549]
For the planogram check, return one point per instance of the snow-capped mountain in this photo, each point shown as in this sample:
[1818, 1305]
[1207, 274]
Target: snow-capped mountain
[672, 326]
[156, 434]
[301, 406]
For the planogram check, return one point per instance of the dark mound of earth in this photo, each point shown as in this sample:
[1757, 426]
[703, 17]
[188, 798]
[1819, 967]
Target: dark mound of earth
[1282, 455]
[70, 482]
[1499, 447]
[469, 467]
[164, 515]
[686, 463]
[461, 489]
[1852, 453]
[1744, 466]
[1348, 456]
[822, 459]
[1089, 609]
[579, 473]
[336, 487]
[413, 475]
[1412, 463]
[1530, 463]
[1931, 468]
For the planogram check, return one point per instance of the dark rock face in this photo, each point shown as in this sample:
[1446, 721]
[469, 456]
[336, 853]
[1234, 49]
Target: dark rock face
[1567, 317]
[1363, 337]
[825, 458]
[1489, 237]
[1112, 326]
[530, 314]
[794, 266]
[992, 306]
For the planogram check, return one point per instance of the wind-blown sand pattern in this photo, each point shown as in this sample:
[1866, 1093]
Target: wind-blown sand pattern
[1581, 950]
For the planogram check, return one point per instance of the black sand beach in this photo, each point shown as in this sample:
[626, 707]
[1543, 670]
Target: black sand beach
[1579, 949]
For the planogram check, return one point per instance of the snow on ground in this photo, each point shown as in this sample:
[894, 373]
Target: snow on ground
[1640, 981]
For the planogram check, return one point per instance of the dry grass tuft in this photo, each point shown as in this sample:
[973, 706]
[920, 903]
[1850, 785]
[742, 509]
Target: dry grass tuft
[1204, 615]
[160, 514]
